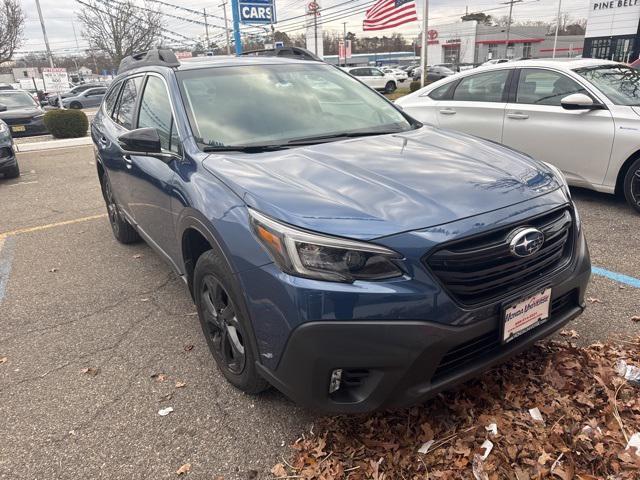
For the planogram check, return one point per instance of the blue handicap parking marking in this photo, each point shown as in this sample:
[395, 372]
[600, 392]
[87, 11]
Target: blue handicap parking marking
[617, 277]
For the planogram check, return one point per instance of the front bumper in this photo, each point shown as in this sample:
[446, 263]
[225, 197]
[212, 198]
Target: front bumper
[27, 128]
[393, 363]
[7, 157]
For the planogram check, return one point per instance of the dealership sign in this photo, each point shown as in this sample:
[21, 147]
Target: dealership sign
[55, 79]
[612, 18]
[257, 11]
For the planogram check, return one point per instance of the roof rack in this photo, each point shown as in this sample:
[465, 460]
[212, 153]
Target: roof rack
[288, 52]
[155, 57]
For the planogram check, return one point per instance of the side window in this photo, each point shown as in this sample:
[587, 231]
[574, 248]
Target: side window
[155, 112]
[376, 73]
[111, 98]
[123, 113]
[359, 72]
[483, 87]
[441, 93]
[544, 87]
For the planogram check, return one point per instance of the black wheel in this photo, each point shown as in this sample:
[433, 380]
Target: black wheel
[224, 324]
[632, 185]
[75, 105]
[13, 172]
[122, 230]
[390, 87]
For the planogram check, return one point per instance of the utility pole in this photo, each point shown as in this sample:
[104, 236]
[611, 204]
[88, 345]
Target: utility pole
[510, 3]
[46, 43]
[555, 38]
[73, 25]
[206, 28]
[425, 43]
[344, 41]
[226, 26]
[315, 31]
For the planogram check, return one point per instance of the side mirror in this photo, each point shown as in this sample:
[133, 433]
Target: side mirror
[3, 108]
[579, 101]
[144, 141]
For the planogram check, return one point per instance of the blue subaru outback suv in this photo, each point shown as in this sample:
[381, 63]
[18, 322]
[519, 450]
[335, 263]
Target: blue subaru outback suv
[335, 248]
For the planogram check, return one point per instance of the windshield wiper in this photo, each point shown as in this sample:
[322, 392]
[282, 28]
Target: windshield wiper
[244, 148]
[338, 136]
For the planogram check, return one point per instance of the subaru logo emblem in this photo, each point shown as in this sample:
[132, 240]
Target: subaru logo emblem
[525, 242]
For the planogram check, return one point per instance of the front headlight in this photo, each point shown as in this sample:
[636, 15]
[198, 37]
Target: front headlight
[312, 255]
[561, 178]
[3, 128]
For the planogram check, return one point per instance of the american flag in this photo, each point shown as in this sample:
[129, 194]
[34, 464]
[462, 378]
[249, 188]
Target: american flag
[390, 13]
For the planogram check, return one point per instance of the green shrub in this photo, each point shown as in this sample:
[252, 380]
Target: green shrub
[66, 123]
[413, 86]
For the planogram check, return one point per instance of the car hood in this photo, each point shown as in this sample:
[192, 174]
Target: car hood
[20, 113]
[376, 186]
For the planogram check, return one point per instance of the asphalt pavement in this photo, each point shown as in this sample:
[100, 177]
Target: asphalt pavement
[96, 338]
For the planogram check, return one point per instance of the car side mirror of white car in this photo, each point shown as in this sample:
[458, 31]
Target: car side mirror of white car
[579, 101]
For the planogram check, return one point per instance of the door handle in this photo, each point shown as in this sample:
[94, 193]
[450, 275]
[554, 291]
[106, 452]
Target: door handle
[518, 116]
[448, 111]
[127, 161]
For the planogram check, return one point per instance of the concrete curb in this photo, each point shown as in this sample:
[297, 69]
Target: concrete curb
[51, 144]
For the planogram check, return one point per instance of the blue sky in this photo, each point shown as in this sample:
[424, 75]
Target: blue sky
[60, 13]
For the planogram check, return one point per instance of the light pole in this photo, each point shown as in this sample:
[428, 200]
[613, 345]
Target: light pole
[555, 38]
[425, 43]
[46, 43]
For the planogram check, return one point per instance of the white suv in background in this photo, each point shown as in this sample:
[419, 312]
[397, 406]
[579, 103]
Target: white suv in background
[374, 78]
[583, 116]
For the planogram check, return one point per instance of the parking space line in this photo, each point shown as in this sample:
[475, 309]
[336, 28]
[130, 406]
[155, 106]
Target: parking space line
[6, 259]
[617, 277]
[20, 231]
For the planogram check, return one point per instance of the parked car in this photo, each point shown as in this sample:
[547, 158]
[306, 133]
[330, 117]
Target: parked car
[334, 246]
[434, 73]
[495, 61]
[374, 78]
[90, 97]
[6, 86]
[22, 113]
[8, 162]
[583, 116]
[52, 98]
[400, 75]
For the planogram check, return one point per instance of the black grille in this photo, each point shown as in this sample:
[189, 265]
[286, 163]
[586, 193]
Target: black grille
[481, 268]
[484, 346]
[6, 152]
[17, 121]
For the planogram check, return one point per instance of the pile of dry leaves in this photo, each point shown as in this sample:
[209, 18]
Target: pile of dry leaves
[490, 428]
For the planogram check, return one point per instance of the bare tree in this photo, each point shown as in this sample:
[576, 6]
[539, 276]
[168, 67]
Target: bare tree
[11, 27]
[120, 28]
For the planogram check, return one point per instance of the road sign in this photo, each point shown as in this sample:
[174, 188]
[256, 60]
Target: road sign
[257, 11]
[55, 79]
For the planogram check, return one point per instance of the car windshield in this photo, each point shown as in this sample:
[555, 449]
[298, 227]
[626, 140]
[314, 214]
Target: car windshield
[15, 100]
[279, 104]
[618, 82]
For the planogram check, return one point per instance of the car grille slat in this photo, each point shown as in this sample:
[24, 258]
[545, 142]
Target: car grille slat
[481, 268]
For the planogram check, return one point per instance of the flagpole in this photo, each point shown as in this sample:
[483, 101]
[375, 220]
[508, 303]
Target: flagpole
[423, 56]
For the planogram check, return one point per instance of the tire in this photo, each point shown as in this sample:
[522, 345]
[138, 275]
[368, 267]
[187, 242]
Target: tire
[224, 324]
[122, 230]
[390, 87]
[75, 105]
[13, 172]
[632, 185]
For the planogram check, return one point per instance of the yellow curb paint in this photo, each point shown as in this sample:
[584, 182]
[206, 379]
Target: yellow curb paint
[21, 231]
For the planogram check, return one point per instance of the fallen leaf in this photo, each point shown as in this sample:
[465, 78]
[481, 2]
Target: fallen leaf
[159, 377]
[188, 348]
[570, 333]
[180, 384]
[594, 300]
[186, 468]
[3, 360]
[163, 412]
[536, 415]
[424, 449]
[53, 270]
[93, 371]
[279, 471]
[166, 397]
[137, 255]
[635, 318]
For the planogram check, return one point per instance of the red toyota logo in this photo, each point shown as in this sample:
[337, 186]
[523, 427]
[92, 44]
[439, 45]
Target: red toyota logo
[432, 34]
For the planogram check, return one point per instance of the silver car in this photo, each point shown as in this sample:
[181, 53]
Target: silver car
[91, 97]
[583, 116]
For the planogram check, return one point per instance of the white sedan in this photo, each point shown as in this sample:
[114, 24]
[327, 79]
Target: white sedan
[400, 75]
[374, 78]
[583, 116]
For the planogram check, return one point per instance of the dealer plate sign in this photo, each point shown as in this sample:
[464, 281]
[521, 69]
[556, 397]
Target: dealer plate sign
[526, 314]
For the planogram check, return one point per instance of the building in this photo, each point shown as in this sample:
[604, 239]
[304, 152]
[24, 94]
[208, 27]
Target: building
[474, 43]
[613, 30]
